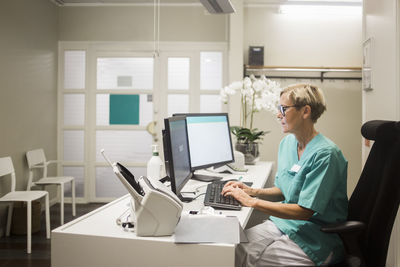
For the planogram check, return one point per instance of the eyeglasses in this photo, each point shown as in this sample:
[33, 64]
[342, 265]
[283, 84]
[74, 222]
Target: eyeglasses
[283, 109]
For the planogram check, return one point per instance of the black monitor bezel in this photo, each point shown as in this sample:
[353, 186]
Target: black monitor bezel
[168, 152]
[218, 164]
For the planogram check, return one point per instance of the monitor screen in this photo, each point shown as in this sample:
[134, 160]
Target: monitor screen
[209, 138]
[176, 152]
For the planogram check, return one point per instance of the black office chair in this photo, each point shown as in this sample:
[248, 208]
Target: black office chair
[374, 203]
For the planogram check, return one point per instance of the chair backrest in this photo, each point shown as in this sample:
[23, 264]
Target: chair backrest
[6, 168]
[376, 198]
[35, 157]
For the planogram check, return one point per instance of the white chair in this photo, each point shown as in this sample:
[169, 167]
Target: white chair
[37, 160]
[7, 168]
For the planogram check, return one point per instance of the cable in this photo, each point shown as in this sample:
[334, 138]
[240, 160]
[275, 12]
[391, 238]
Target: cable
[126, 224]
[197, 188]
[198, 196]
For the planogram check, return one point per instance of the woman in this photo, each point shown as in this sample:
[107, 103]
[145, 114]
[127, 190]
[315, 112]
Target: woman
[312, 179]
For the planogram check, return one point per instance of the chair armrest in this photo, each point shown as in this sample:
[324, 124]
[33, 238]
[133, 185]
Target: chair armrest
[349, 232]
[52, 161]
[38, 166]
[344, 227]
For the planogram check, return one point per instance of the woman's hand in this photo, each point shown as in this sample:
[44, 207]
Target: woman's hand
[245, 188]
[237, 190]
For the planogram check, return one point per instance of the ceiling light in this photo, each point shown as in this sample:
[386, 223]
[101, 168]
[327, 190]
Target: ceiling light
[305, 10]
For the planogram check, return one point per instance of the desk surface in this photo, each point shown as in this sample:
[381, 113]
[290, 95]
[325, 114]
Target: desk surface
[95, 238]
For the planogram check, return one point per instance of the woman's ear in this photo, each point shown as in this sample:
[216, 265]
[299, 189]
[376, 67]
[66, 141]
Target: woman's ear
[306, 112]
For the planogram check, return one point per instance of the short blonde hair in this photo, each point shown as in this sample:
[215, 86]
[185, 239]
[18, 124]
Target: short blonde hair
[306, 94]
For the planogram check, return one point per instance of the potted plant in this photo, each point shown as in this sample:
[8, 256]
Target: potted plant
[256, 94]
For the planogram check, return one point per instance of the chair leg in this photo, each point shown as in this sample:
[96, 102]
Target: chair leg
[62, 203]
[9, 218]
[29, 225]
[47, 216]
[73, 197]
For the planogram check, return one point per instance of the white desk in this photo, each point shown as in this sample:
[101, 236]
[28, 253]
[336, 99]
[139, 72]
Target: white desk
[96, 240]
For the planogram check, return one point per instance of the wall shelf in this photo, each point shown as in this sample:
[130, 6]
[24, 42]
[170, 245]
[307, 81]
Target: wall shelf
[320, 73]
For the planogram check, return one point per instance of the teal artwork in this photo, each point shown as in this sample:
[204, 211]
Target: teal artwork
[124, 109]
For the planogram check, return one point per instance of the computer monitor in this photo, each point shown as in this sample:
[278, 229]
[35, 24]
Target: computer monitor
[210, 143]
[176, 153]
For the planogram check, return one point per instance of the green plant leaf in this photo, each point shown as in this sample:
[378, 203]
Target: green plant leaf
[246, 135]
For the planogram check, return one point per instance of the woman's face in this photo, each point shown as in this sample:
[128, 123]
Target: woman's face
[291, 120]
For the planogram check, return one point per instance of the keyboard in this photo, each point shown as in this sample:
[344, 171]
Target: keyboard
[214, 198]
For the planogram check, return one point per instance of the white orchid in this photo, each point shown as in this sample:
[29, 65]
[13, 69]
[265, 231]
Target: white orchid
[257, 94]
[235, 86]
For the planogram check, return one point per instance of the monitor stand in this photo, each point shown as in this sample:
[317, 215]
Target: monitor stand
[205, 178]
[187, 196]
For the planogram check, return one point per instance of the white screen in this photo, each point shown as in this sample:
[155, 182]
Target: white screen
[209, 140]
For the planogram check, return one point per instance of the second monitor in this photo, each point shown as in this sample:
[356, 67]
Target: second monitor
[176, 153]
[210, 143]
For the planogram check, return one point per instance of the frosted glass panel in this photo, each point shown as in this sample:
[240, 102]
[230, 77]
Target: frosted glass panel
[178, 104]
[178, 73]
[103, 109]
[74, 69]
[210, 103]
[74, 109]
[131, 146]
[78, 173]
[210, 70]
[145, 109]
[125, 73]
[73, 145]
[108, 185]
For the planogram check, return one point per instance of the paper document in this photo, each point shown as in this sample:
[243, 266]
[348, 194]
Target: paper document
[209, 229]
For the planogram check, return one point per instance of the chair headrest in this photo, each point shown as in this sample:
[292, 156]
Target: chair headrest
[381, 130]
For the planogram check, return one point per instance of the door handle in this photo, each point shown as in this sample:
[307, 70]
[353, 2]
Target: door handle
[151, 129]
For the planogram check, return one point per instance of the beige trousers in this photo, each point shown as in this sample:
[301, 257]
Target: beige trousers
[268, 246]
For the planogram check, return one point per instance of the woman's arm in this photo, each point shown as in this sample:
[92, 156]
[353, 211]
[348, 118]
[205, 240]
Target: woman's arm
[268, 192]
[277, 209]
[257, 192]
[283, 210]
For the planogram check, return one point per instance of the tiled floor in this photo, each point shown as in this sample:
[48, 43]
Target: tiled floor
[13, 248]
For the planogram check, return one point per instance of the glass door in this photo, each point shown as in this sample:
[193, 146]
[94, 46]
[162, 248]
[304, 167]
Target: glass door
[124, 107]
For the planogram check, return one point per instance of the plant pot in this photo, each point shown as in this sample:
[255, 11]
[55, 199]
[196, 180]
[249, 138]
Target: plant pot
[250, 152]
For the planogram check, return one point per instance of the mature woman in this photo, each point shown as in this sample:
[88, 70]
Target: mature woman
[311, 177]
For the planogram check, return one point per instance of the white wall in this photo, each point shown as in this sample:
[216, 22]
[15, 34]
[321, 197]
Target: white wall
[312, 41]
[309, 40]
[381, 24]
[235, 57]
[135, 23]
[28, 67]
[380, 19]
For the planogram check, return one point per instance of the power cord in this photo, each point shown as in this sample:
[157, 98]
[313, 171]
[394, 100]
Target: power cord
[126, 224]
[198, 195]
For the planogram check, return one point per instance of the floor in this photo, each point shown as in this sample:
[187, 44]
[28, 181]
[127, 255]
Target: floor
[13, 248]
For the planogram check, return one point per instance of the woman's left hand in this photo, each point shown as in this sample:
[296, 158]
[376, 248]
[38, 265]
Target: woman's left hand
[239, 195]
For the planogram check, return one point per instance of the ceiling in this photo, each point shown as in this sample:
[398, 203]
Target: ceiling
[192, 2]
[125, 1]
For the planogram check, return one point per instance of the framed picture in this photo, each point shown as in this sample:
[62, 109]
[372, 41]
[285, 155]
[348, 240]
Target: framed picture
[366, 68]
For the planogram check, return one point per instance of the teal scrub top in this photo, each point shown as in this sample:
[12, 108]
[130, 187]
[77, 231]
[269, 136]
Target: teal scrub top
[318, 181]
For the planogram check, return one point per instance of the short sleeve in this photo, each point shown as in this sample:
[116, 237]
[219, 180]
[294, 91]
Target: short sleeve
[326, 173]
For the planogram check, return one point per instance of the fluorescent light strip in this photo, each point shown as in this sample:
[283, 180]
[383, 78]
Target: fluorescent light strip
[320, 10]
